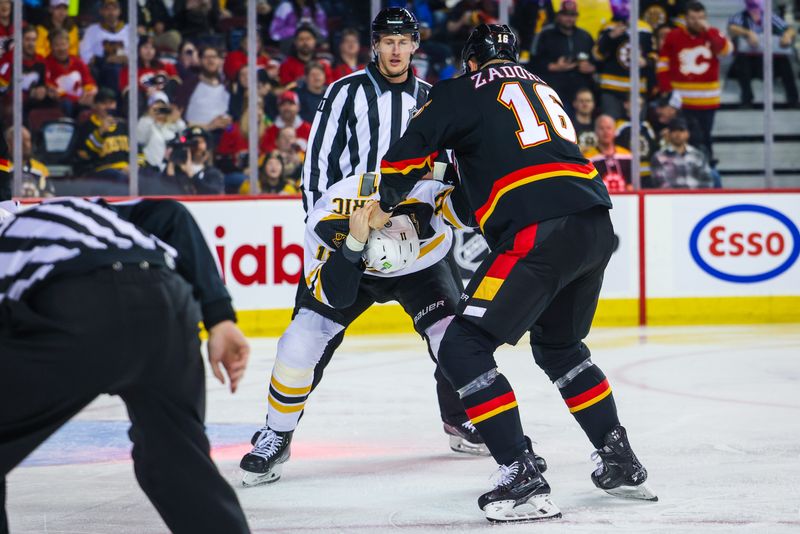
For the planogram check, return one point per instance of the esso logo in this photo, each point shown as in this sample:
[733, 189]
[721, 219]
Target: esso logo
[745, 243]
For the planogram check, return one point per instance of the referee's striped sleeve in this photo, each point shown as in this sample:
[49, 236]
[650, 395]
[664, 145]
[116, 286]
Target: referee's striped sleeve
[327, 128]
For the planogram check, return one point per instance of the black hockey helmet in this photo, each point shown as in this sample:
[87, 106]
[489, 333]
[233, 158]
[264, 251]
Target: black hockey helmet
[490, 41]
[395, 21]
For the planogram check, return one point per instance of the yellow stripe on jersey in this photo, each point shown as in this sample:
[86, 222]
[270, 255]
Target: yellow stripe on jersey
[335, 217]
[430, 246]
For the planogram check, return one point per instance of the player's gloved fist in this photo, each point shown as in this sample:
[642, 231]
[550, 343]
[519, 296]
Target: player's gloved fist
[359, 221]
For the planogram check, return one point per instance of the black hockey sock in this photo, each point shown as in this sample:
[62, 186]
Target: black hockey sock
[451, 408]
[589, 399]
[493, 411]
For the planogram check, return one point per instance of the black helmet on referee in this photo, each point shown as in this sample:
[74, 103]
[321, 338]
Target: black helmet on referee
[490, 41]
[395, 21]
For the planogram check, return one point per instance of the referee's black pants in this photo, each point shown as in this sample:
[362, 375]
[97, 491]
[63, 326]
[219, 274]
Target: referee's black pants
[131, 332]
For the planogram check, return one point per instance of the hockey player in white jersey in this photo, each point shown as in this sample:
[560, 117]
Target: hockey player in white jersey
[347, 269]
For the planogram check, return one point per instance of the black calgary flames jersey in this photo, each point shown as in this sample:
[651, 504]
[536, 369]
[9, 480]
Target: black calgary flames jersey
[512, 143]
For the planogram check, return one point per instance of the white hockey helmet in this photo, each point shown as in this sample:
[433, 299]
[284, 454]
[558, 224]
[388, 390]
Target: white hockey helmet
[393, 247]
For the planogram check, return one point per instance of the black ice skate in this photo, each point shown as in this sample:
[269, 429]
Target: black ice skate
[541, 464]
[264, 463]
[521, 493]
[619, 472]
[464, 438]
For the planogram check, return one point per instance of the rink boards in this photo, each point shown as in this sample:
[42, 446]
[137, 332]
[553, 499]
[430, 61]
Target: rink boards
[682, 258]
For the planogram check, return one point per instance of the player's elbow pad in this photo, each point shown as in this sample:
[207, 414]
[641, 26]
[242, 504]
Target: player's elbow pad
[341, 279]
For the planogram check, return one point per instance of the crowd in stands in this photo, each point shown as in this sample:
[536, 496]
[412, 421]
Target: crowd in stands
[193, 124]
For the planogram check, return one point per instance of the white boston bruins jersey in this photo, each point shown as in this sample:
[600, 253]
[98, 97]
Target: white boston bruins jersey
[428, 205]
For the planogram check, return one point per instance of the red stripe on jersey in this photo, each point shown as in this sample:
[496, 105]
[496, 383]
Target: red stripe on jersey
[527, 172]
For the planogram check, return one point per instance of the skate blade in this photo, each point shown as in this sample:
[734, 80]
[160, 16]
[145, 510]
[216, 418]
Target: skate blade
[537, 508]
[642, 492]
[250, 480]
[463, 446]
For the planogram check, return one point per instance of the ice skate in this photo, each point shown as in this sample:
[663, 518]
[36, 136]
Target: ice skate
[541, 464]
[521, 494]
[264, 463]
[619, 472]
[464, 438]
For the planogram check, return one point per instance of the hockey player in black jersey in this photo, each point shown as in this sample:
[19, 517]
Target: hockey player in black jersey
[544, 212]
[347, 269]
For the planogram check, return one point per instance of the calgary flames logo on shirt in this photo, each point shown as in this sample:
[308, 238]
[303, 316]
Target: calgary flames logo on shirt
[690, 60]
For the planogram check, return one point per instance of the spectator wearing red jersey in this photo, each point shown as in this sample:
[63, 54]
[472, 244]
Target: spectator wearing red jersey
[688, 65]
[288, 117]
[68, 76]
[154, 74]
[6, 28]
[347, 62]
[304, 50]
[236, 59]
[34, 89]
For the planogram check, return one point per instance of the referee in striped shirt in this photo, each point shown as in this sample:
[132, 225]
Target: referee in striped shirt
[94, 300]
[358, 119]
[362, 114]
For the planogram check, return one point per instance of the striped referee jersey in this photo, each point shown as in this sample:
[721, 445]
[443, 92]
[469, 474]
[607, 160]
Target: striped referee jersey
[69, 235]
[358, 119]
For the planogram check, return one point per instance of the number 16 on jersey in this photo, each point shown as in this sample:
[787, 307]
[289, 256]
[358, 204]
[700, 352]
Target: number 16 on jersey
[532, 130]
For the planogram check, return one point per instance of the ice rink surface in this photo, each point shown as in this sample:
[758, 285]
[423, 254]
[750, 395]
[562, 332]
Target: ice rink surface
[713, 413]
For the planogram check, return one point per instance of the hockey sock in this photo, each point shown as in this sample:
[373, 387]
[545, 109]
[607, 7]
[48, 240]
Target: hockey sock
[589, 399]
[288, 390]
[493, 410]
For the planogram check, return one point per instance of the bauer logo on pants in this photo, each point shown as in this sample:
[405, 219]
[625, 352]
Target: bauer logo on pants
[745, 243]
